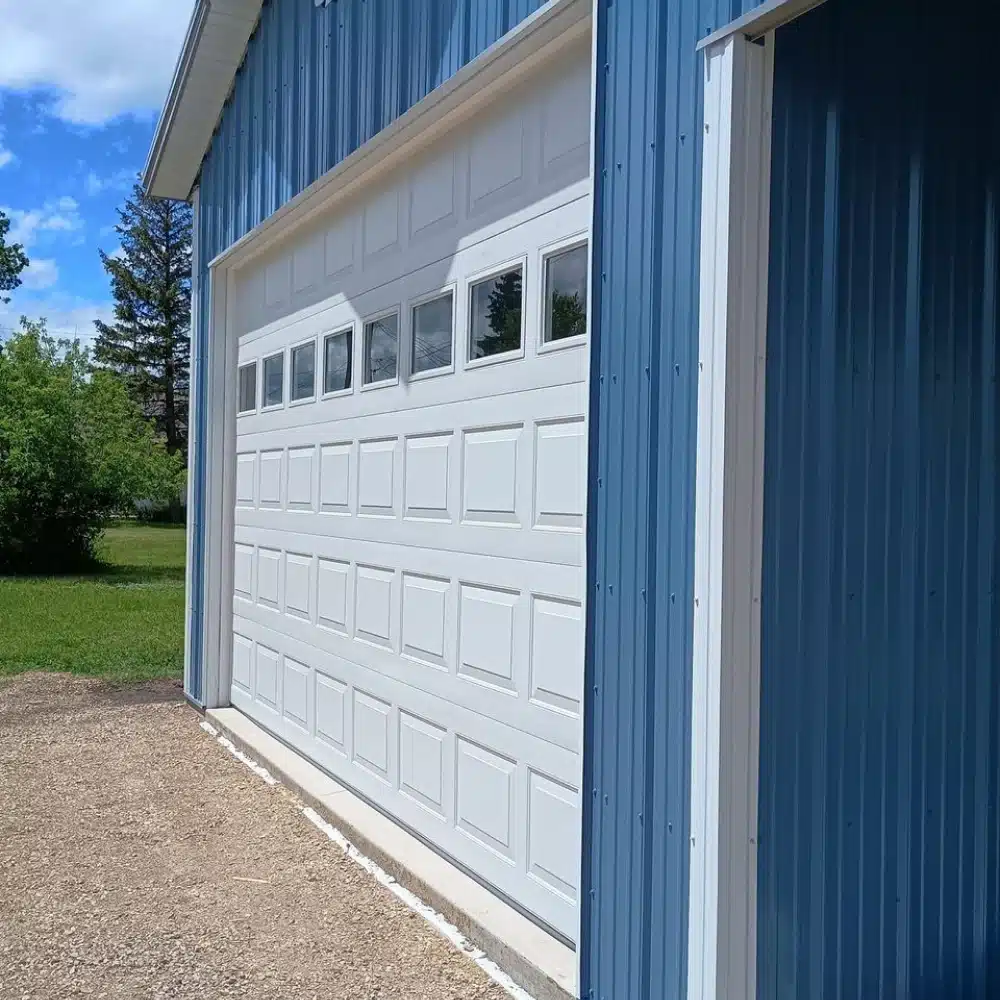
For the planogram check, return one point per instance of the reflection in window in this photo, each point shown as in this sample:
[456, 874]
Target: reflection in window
[432, 323]
[566, 294]
[274, 380]
[495, 315]
[304, 372]
[337, 364]
[381, 349]
[248, 388]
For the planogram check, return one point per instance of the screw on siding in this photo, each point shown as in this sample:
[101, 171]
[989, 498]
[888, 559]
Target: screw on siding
[677, 369]
[605, 798]
[683, 137]
[673, 598]
[647, 371]
[619, 164]
[611, 589]
[640, 819]
[670, 828]
[614, 380]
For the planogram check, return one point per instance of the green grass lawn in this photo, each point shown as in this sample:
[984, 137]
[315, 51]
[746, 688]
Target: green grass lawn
[125, 623]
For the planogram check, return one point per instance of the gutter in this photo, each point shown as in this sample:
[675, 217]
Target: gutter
[181, 73]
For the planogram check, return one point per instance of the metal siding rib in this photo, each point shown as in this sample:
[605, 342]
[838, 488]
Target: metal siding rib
[880, 729]
[641, 502]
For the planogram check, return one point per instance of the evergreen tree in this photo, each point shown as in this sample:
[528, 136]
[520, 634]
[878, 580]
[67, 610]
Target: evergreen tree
[503, 315]
[149, 342]
[12, 261]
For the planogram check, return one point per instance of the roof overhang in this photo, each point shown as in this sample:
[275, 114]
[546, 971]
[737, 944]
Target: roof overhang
[213, 49]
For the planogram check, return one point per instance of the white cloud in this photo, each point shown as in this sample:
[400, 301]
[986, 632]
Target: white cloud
[40, 273]
[118, 254]
[59, 216]
[99, 59]
[6, 156]
[120, 180]
[66, 316]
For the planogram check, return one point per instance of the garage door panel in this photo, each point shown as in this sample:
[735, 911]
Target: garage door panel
[344, 420]
[509, 875]
[476, 689]
[558, 762]
[554, 579]
[408, 592]
[333, 535]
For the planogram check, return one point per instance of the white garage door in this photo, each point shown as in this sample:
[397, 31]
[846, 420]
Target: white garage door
[411, 483]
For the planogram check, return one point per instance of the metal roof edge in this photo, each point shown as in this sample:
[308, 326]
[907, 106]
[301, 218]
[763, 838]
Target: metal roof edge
[174, 104]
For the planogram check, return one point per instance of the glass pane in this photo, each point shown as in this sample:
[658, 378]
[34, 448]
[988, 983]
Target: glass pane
[566, 294]
[381, 348]
[337, 371]
[304, 371]
[274, 380]
[432, 334]
[495, 316]
[248, 388]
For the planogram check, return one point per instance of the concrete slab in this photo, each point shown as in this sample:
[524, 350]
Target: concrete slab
[535, 960]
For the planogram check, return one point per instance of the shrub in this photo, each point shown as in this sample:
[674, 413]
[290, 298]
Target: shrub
[74, 452]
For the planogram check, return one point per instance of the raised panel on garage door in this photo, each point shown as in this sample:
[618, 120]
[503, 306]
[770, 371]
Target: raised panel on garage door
[409, 587]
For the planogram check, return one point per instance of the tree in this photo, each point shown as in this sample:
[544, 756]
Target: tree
[74, 450]
[504, 315]
[149, 342]
[12, 261]
[569, 315]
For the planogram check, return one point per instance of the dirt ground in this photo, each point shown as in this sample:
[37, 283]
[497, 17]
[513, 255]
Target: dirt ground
[139, 859]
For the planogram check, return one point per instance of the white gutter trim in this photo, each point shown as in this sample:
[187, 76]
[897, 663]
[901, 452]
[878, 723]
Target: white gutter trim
[553, 27]
[177, 85]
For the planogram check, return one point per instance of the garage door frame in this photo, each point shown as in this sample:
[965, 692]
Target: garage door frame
[535, 42]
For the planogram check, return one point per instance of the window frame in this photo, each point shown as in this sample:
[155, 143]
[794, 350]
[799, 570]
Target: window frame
[385, 383]
[264, 406]
[350, 329]
[291, 372]
[411, 306]
[256, 387]
[478, 278]
[546, 253]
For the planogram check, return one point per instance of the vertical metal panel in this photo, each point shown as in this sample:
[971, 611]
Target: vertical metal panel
[641, 502]
[879, 873]
[315, 84]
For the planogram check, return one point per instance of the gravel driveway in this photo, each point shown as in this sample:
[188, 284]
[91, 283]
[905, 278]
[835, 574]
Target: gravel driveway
[139, 859]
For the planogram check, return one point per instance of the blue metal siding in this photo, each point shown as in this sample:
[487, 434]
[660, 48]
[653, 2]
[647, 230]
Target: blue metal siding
[879, 873]
[641, 505]
[316, 83]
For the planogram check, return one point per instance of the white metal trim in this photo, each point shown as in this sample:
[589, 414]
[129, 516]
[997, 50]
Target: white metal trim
[758, 22]
[728, 520]
[193, 444]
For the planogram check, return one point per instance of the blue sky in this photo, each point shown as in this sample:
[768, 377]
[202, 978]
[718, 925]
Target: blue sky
[81, 84]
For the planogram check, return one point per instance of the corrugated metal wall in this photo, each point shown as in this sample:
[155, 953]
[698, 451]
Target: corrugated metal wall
[879, 872]
[641, 504]
[315, 85]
